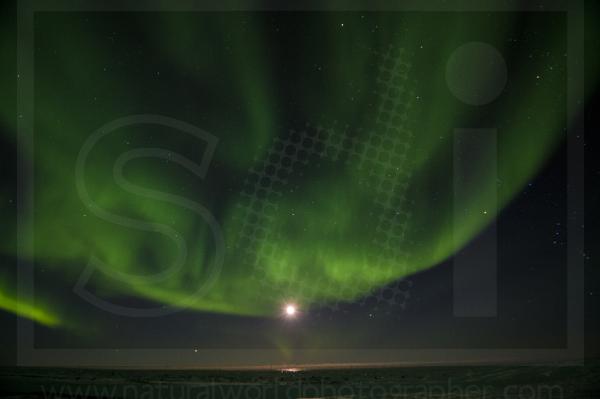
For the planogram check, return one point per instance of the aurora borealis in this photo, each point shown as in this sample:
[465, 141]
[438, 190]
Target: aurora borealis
[226, 163]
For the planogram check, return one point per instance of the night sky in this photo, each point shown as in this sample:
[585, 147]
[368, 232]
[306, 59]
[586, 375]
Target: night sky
[174, 180]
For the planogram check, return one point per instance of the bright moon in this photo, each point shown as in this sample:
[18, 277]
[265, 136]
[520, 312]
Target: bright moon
[290, 310]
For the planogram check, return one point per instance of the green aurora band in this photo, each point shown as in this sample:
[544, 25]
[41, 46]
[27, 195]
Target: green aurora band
[230, 75]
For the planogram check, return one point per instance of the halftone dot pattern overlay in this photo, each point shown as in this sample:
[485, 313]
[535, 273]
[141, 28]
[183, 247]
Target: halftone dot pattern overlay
[381, 153]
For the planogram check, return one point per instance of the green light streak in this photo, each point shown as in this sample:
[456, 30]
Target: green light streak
[222, 73]
[30, 311]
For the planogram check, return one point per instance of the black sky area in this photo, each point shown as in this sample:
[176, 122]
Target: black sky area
[531, 255]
